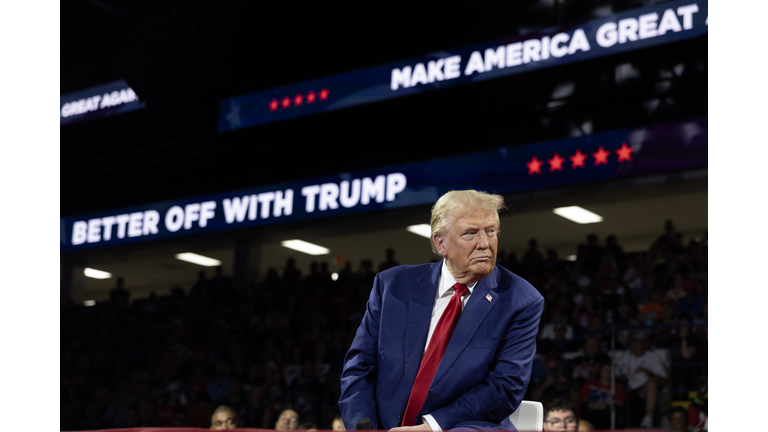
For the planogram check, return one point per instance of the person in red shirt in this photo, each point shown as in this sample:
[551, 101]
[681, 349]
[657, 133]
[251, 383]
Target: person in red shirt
[596, 397]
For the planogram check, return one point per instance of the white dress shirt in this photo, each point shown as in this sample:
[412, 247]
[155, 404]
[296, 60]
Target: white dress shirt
[444, 293]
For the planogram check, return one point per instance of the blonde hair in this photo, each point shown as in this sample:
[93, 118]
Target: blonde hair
[457, 204]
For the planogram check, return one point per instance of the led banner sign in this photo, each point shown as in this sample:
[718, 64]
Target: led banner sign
[96, 102]
[625, 31]
[606, 156]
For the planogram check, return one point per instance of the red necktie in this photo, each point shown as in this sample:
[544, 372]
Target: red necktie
[434, 354]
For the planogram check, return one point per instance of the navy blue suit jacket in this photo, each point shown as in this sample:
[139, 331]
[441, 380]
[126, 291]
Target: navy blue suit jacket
[486, 366]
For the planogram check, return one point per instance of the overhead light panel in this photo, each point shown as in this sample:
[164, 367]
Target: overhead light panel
[578, 214]
[96, 274]
[89, 303]
[198, 259]
[423, 230]
[305, 247]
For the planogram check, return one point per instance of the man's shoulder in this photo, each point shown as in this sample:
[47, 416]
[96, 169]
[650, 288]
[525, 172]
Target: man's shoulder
[520, 287]
[407, 271]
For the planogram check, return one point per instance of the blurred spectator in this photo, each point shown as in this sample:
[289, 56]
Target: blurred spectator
[666, 240]
[596, 398]
[256, 414]
[613, 248]
[200, 286]
[585, 426]
[291, 275]
[390, 262]
[557, 383]
[531, 260]
[308, 426]
[220, 281]
[119, 295]
[645, 376]
[698, 410]
[558, 317]
[218, 385]
[179, 418]
[685, 347]
[587, 367]
[677, 290]
[560, 415]
[146, 413]
[693, 301]
[287, 420]
[559, 343]
[225, 418]
[650, 312]
[337, 424]
[678, 419]
[236, 399]
[166, 410]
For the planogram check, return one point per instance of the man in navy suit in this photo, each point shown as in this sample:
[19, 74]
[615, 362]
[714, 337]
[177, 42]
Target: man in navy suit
[484, 370]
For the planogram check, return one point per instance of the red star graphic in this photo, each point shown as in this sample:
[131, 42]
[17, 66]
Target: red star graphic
[534, 166]
[556, 163]
[578, 159]
[286, 102]
[624, 152]
[323, 94]
[273, 105]
[311, 97]
[601, 156]
[298, 99]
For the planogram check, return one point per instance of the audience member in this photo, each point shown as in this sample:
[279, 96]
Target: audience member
[119, 295]
[287, 420]
[560, 415]
[224, 418]
[596, 398]
[585, 426]
[557, 384]
[558, 317]
[390, 262]
[678, 419]
[337, 424]
[698, 410]
[645, 376]
[587, 367]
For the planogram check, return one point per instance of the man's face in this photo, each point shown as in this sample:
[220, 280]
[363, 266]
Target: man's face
[561, 421]
[222, 420]
[288, 420]
[469, 246]
[678, 421]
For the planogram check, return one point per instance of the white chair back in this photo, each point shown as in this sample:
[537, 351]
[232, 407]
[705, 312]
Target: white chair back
[529, 416]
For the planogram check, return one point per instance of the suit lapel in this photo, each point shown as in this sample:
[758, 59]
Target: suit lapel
[422, 300]
[473, 315]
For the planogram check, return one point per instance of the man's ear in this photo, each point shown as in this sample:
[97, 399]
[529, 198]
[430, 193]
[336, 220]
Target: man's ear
[439, 244]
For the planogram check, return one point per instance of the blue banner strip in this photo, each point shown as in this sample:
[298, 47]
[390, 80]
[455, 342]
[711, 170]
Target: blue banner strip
[105, 100]
[631, 30]
[666, 147]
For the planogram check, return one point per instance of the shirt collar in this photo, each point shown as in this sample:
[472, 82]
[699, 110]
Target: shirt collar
[447, 281]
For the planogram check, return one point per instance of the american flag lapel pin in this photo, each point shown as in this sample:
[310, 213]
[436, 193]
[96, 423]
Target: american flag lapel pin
[488, 297]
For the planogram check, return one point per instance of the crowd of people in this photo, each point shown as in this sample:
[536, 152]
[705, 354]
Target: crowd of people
[271, 354]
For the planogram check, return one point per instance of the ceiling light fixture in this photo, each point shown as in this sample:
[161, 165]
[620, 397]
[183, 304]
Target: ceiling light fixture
[96, 274]
[423, 230]
[198, 259]
[578, 214]
[305, 247]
